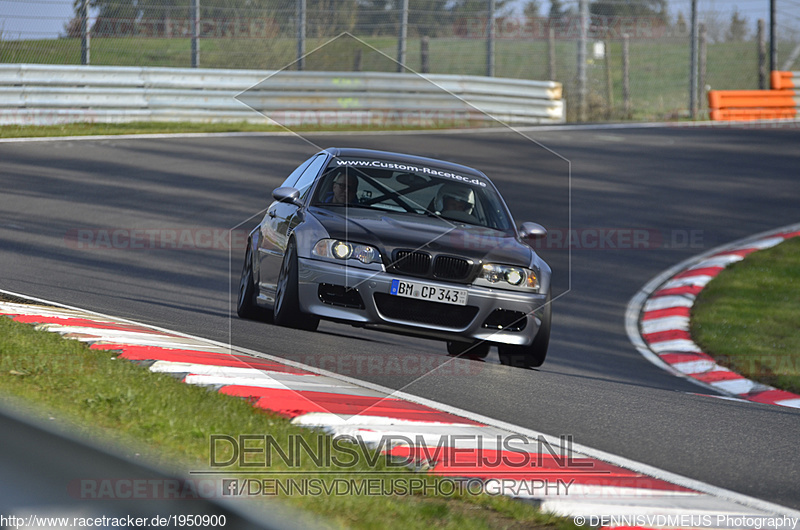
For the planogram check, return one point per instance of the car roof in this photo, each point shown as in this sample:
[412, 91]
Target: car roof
[401, 157]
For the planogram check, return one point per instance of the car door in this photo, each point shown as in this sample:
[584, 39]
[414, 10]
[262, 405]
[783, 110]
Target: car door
[280, 220]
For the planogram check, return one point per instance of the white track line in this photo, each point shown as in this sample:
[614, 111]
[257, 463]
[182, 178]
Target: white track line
[533, 128]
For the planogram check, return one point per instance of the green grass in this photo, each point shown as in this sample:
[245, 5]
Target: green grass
[80, 129]
[85, 129]
[748, 317]
[659, 67]
[125, 405]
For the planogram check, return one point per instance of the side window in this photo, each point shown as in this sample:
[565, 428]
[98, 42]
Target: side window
[292, 178]
[307, 178]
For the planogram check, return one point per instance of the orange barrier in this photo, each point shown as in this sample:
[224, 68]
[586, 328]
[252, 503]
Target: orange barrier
[781, 102]
[783, 80]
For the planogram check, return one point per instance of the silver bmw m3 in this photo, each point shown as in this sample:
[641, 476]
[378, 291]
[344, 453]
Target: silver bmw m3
[399, 243]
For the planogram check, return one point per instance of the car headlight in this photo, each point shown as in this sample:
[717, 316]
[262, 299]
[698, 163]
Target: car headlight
[508, 277]
[344, 250]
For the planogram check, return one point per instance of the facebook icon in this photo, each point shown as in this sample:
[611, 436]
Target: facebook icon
[230, 486]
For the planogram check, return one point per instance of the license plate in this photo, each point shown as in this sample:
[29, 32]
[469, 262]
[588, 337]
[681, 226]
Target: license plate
[433, 293]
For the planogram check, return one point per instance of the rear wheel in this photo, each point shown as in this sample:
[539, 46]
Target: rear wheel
[477, 349]
[287, 305]
[534, 355]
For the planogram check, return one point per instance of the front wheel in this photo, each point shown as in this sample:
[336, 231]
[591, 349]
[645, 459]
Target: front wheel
[534, 355]
[246, 306]
[287, 305]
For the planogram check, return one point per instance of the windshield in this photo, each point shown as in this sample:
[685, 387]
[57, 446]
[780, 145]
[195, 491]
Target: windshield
[397, 187]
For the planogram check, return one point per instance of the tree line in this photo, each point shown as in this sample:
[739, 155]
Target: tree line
[267, 18]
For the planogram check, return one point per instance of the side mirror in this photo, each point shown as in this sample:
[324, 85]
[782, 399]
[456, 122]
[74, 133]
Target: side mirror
[287, 194]
[532, 231]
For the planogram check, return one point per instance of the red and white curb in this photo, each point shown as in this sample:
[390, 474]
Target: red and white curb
[463, 444]
[658, 319]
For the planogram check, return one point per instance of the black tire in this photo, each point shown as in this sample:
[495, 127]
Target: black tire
[532, 356]
[246, 306]
[477, 349]
[286, 311]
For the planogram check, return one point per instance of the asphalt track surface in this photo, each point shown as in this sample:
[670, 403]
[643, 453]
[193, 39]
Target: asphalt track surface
[674, 191]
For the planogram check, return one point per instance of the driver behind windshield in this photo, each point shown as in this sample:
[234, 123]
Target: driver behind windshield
[344, 189]
[455, 198]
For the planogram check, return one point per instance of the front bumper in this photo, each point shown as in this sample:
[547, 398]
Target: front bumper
[495, 315]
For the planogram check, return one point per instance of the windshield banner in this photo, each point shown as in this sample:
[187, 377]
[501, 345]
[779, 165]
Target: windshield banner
[410, 168]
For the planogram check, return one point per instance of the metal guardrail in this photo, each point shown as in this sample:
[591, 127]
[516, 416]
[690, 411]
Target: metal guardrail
[59, 477]
[47, 94]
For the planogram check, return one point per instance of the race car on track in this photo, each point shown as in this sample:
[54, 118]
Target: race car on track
[399, 243]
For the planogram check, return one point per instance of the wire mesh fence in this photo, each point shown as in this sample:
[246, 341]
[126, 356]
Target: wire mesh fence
[635, 62]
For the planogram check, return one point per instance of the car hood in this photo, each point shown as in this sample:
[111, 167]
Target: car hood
[390, 231]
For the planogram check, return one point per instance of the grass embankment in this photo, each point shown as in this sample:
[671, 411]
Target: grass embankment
[748, 317]
[95, 129]
[126, 404]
